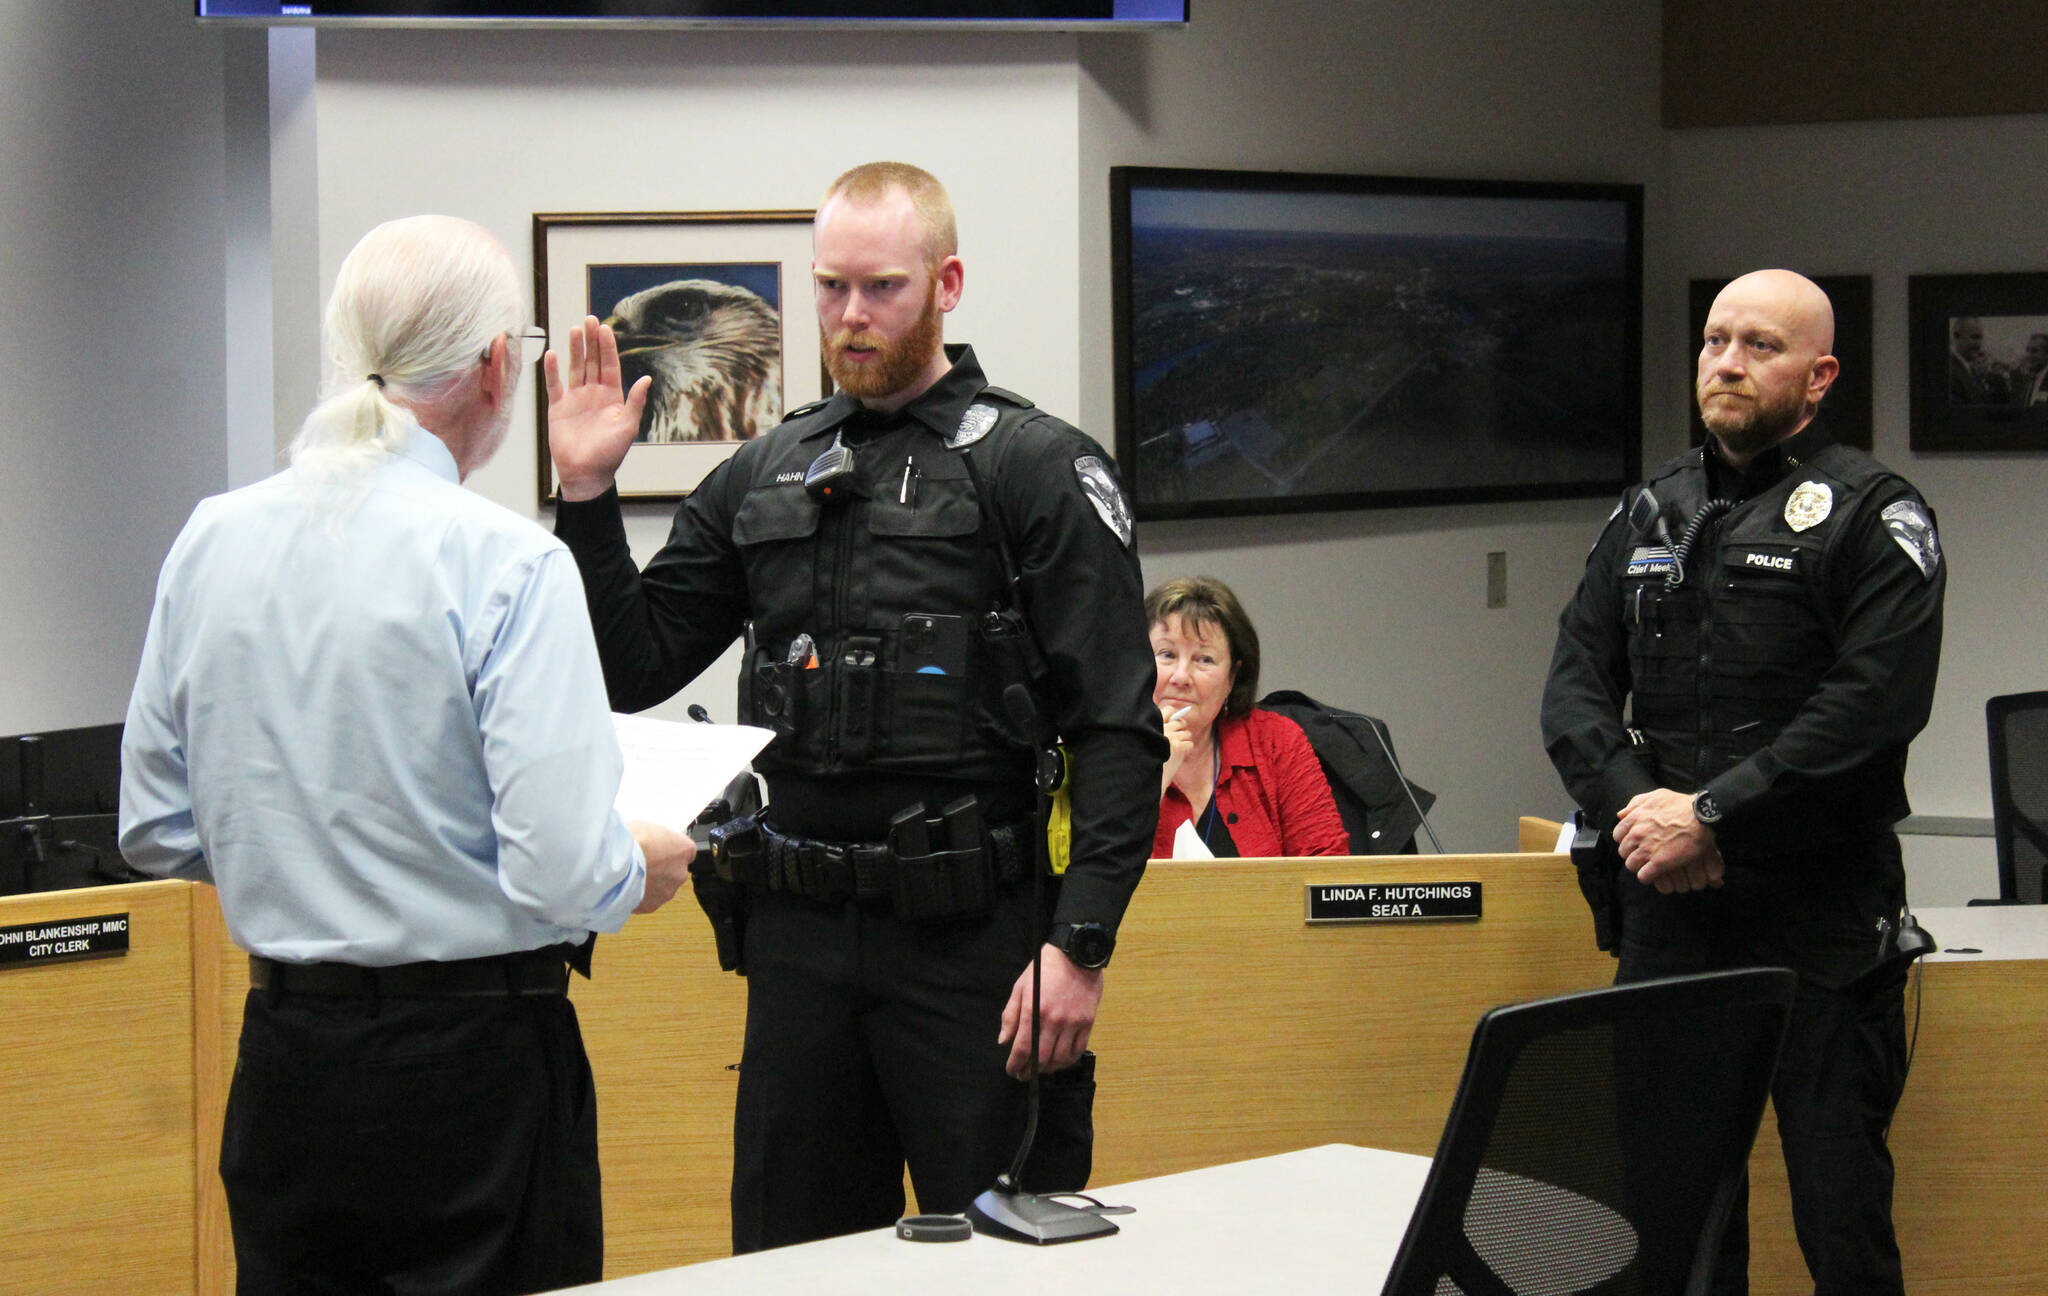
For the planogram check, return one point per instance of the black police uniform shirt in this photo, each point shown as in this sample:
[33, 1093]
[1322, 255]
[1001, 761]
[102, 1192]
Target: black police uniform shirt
[891, 580]
[1788, 673]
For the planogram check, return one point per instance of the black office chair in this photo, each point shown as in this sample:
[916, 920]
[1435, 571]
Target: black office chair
[2018, 727]
[1598, 1141]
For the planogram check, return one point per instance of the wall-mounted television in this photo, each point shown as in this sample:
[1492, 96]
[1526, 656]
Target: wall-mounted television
[1288, 342]
[1015, 15]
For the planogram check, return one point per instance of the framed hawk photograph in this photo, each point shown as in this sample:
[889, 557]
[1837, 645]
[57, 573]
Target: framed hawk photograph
[713, 307]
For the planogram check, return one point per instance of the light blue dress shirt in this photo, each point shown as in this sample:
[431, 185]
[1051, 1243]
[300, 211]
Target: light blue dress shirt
[381, 730]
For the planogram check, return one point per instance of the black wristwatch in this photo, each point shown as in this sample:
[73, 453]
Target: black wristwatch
[1706, 809]
[1087, 944]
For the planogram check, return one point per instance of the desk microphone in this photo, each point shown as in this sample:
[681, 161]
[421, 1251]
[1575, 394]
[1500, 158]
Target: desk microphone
[1006, 1211]
[1401, 777]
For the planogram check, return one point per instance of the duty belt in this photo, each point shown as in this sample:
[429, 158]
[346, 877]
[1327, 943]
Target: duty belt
[930, 884]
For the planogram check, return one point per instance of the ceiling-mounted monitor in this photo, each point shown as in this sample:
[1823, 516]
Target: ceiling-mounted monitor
[980, 15]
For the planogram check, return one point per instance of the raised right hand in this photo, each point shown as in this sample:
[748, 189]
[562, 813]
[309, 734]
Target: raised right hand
[668, 855]
[591, 424]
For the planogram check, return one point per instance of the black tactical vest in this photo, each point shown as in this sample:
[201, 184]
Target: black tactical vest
[899, 587]
[1721, 664]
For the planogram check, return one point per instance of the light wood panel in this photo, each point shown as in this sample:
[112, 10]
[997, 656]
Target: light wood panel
[1533, 834]
[220, 979]
[96, 1089]
[663, 1027]
[1231, 1029]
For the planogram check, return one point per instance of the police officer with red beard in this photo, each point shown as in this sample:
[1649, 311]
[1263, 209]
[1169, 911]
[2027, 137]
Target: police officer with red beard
[1768, 606]
[898, 558]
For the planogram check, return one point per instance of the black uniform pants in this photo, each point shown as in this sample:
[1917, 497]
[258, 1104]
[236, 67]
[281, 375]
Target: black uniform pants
[1843, 1065]
[871, 1042]
[412, 1146]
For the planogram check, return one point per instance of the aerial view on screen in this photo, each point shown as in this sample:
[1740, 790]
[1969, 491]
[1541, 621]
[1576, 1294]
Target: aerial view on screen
[1288, 344]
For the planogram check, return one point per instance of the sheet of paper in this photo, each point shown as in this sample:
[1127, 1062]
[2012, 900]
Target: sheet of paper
[1188, 844]
[673, 770]
[1564, 837]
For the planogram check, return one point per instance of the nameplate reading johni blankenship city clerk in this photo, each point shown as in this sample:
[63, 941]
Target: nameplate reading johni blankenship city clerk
[1368, 902]
[95, 936]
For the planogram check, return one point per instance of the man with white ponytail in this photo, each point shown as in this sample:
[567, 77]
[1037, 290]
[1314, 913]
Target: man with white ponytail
[370, 713]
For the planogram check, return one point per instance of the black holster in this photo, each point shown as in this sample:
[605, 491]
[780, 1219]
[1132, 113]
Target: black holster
[1063, 1153]
[728, 828]
[726, 906]
[1597, 860]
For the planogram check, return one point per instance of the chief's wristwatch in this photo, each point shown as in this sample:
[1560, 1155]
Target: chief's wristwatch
[1706, 809]
[1088, 944]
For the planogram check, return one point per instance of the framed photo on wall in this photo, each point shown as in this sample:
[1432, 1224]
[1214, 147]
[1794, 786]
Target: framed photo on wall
[1847, 405]
[1980, 361]
[1288, 342]
[713, 306]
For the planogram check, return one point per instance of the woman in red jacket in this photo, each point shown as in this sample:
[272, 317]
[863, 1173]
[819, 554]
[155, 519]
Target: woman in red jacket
[1246, 780]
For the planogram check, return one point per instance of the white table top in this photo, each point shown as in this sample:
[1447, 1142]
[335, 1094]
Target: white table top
[1999, 931]
[1325, 1219]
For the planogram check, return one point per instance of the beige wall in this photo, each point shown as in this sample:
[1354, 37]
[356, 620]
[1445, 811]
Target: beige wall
[111, 209]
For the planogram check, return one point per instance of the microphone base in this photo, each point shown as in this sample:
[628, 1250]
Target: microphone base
[1041, 1221]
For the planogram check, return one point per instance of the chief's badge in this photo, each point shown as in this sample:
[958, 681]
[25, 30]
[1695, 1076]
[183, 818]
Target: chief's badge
[1914, 530]
[1099, 485]
[1809, 506]
[974, 425]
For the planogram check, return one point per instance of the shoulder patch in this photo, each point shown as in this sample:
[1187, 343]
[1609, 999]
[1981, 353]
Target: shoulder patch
[1098, 483]
[974, 425]
[1914, 531]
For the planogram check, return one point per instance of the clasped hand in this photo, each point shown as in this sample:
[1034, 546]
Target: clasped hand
[1665, 845]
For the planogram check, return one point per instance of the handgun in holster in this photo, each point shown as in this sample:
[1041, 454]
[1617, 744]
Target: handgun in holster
[1597, 859]
[1596, 856]
[730, 848]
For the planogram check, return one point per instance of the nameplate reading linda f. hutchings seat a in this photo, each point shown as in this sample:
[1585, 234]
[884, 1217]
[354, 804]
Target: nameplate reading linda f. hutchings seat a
[1375, 902]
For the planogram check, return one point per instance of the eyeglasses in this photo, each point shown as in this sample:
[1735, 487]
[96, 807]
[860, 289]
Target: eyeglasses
[533, 341]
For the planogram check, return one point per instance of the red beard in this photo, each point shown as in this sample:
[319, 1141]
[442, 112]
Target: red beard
[891, 366]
